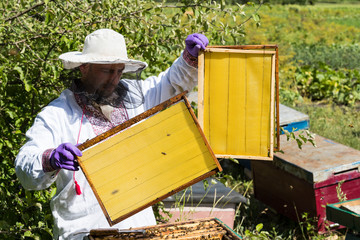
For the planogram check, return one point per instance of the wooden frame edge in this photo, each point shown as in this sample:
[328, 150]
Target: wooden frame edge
[268, 46]
[201, 75]
[240, 51]
[243, 157]
[277, 86]
[272, 110]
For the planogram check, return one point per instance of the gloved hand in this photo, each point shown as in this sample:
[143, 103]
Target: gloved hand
[64, 156]
[194, 42]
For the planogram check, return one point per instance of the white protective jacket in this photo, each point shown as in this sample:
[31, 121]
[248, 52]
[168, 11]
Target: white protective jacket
[59, 122]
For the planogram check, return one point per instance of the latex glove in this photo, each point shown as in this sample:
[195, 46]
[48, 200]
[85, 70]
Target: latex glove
[64, 157]
[194, 42]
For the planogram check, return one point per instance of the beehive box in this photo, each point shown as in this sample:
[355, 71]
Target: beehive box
[237, 97]
[157, 154]
[196, 202]
[292, 120]
[210, 228]
[306, 180]
[346, 213]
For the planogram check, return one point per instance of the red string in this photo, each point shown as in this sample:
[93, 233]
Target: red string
[77, 186]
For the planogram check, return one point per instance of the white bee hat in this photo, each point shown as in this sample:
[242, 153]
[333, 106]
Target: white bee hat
[104, 46]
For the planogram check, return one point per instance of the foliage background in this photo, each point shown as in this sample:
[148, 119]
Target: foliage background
[32, 36]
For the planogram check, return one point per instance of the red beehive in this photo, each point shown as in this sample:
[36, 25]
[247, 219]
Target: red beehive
[307, 179]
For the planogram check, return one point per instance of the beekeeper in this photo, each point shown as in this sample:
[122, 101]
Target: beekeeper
[95, 103]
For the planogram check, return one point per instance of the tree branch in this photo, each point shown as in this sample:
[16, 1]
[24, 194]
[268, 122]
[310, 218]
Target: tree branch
[23, 12]
[260, 4]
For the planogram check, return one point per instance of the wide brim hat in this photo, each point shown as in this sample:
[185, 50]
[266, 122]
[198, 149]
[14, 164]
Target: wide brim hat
[104, 46]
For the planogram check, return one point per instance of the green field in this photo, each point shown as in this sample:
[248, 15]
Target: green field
[308, 35]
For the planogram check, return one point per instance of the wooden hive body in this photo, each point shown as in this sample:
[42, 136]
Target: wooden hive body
[307, 179]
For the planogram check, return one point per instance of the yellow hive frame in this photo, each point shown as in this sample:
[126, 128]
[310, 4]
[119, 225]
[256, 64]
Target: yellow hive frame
[236, 100]
[147, 159]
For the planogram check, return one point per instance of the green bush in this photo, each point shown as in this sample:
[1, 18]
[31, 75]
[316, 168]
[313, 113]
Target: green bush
[321, 82]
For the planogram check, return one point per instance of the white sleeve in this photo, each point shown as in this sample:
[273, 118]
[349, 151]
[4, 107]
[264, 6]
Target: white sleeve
[28, 163]
[59, 122]
[176, 79]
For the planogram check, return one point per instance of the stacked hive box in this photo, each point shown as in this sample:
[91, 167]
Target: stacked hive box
[307, 179]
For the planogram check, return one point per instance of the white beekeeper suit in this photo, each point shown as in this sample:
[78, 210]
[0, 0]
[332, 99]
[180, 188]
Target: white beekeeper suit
[63, 120]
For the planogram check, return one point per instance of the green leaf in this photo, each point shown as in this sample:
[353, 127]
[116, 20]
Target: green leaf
[20, 71]
[27, 234]
[11, 114]
[259, 227]
[22, 78]
[52, 192]
[234, 160]
[299, 143]
[255, 17]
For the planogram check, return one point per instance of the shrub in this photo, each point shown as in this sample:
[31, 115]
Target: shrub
[321, 82]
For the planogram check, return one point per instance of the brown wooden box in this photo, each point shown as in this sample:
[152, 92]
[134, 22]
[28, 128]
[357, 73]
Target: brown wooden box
[306, 180]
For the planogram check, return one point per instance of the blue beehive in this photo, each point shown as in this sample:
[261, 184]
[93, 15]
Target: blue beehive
[292, 120]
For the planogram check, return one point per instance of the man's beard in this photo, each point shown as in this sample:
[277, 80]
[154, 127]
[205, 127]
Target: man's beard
[115, 99]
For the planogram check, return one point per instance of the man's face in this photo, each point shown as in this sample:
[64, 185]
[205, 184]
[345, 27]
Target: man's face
[101, 78]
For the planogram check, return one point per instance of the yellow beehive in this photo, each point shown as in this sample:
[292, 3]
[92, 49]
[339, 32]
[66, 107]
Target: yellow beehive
[236, 100]
[161, 154]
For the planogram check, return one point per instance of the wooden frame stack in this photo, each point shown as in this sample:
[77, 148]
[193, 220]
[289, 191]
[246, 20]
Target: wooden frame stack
[199, 229]
[146, 159]
[238, 103]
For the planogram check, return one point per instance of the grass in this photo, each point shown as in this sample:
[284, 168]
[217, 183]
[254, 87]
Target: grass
[338, 123]
[293, 24]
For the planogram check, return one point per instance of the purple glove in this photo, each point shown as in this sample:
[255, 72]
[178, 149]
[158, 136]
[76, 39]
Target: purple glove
[64, 156]
[194, 42]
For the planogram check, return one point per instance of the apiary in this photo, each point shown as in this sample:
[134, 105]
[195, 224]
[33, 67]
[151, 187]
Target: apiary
[210, 228]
